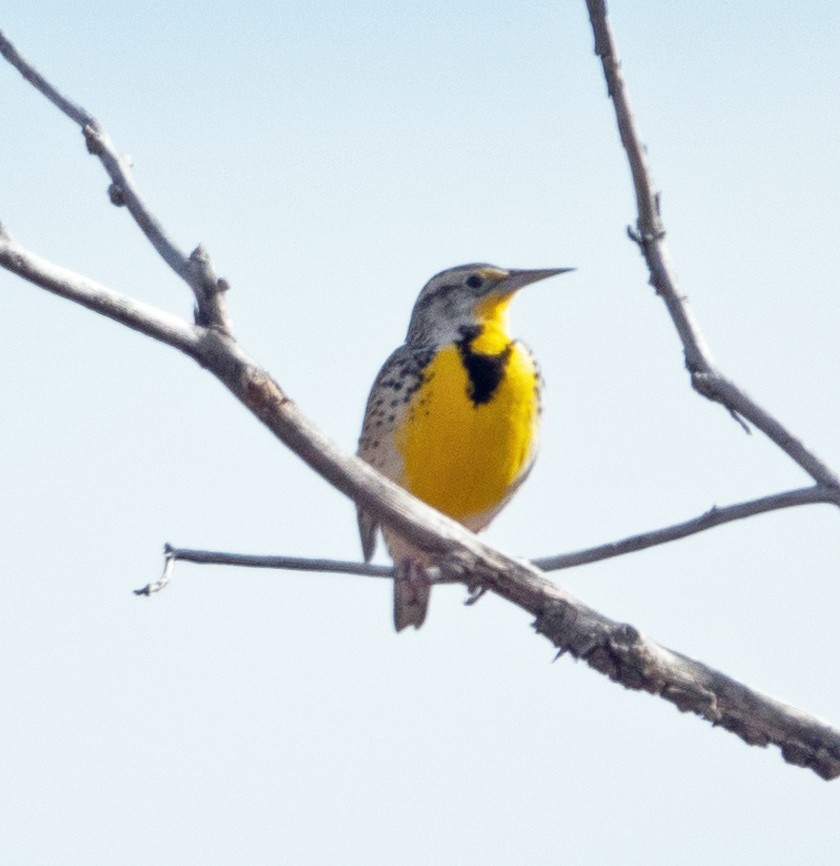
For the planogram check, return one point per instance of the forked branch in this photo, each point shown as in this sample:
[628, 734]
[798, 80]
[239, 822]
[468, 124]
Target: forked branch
[195, 269]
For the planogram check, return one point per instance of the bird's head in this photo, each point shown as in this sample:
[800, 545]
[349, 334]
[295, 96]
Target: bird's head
[465, 297]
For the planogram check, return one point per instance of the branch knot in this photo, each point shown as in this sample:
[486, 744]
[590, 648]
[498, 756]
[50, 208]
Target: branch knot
[116, 194]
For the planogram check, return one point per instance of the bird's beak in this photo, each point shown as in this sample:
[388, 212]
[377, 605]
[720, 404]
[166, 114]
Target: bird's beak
[517, 279]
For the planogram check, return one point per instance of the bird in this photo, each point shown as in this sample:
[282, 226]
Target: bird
[453, 415]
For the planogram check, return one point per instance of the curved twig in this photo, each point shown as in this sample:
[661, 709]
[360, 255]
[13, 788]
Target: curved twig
[169, 560]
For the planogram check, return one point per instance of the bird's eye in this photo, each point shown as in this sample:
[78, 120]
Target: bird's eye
[474, 281]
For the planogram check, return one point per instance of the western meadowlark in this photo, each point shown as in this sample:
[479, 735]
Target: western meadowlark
[453, 416]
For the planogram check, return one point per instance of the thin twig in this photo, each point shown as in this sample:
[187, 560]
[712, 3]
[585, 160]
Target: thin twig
[288, 563]
[66, 106]
[713, 517]
[285, 563]
[650, 236]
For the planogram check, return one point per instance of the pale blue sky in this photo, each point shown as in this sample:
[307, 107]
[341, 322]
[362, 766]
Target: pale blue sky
[332, 158]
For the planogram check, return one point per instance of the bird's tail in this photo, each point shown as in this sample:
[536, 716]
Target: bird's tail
[411, 594]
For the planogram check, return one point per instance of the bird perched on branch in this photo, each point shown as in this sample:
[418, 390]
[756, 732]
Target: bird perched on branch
[454, 414]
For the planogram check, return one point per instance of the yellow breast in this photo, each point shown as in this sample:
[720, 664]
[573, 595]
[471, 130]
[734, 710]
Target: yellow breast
[466, 456]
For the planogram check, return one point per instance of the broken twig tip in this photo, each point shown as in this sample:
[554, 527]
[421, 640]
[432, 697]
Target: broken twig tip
[475, 595]
[169, 560]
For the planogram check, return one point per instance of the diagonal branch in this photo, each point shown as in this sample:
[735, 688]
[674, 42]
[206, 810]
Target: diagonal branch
[706, 379]
[194, 269]
[149, 320]
[66, 106]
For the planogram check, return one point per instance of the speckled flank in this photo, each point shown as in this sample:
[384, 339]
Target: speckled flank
[399, 378]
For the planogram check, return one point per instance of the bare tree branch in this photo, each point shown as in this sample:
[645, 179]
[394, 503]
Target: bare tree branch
[194, 269]
[650, 236]
[614, 649]
[142, 317]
